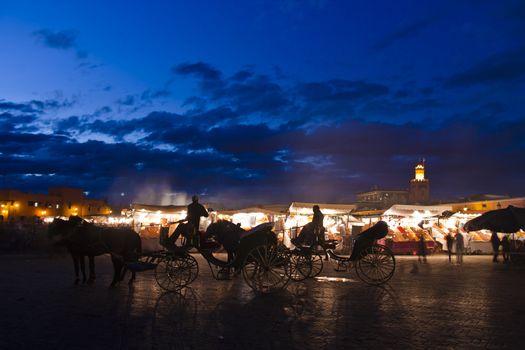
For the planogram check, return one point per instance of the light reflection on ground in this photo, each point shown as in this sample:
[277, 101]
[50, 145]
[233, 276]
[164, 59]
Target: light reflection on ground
[333, 279]
[436, 305]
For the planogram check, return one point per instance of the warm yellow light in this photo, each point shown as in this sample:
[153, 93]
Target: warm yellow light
[420, 172]
[17, 205]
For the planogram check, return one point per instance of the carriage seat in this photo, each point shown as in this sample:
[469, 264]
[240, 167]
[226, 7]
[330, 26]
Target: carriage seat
[208, 243]
[261, 227]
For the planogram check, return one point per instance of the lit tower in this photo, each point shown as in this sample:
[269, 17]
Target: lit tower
[419, 186]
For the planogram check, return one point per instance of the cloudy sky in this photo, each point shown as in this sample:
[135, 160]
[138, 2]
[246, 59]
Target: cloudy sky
[262, 101]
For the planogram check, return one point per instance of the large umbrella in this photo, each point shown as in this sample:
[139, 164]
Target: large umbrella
[508, 220]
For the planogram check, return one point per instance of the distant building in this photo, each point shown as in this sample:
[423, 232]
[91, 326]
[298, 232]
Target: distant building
[60, 201]
[381, 198]
[486, 203]
[419, 192]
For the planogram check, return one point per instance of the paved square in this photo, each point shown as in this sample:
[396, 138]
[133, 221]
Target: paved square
[433, 305]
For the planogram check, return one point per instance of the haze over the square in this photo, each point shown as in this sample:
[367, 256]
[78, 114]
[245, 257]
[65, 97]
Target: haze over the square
[262, 101]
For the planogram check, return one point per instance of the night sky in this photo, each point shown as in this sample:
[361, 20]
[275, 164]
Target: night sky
[261, 101]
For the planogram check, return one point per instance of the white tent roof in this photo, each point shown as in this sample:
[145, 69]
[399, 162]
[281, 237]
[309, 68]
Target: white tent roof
[417, 210]
[251, 210]
[166, 209]
[302, 208]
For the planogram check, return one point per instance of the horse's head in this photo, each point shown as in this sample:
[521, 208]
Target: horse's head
[61, 230]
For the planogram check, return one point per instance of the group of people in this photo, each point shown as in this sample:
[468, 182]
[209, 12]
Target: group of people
[459, 242]
[505, 247]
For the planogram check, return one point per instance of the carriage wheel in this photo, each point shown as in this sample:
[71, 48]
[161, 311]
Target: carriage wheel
[376, 265]
[316, 263]
[175, 272]
[300, 268]
[266, 269]
[193, 267]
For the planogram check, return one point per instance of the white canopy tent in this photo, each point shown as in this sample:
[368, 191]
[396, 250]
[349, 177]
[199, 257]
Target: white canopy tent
[422, 211]
[303, 208]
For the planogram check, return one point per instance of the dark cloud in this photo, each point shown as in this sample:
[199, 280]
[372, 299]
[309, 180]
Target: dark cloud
[258, 94]
[149, 94]
[199, 69]
[252, 98]
[155, 122]
[281, 163]
[128, 100]
[391, 108]
[406, 31]
[34, 106]
[502, 67]
[242, 75]
[403, 93]
[10, 122]
[22, 116]
[252, 166]
[427, 91]
[251, 138]
[102, 110]
[62, 39]
[20, 107]
[340, 90]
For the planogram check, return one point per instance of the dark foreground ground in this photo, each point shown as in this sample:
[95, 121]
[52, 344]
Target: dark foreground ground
[443, 306]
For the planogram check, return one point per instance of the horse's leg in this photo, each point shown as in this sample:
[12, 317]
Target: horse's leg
[123, 272]
[82, 267]
[117, 269]
[75, 264]
[92, 276]
[132, 279]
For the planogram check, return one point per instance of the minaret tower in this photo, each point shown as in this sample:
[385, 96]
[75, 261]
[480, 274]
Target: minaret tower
[419, 186]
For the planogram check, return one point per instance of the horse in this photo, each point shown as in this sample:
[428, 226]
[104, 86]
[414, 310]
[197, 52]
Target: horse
[227, 234]
[85, 239]
[62, 231]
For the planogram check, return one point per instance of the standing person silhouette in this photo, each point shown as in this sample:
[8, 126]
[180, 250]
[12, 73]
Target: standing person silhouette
[319, 229]
[505, 247]
[422, 251]
[494, 240]
[194, 213]
[460, 246]
[450, 244]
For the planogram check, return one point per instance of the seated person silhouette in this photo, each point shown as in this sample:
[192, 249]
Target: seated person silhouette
[169, 243]
[306, 236]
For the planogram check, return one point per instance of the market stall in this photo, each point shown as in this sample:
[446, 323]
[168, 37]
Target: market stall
[340, 225]
[250, 217]
[477, 242]
[407, 223]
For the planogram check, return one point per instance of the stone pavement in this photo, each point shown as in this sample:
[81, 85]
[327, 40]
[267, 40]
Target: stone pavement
[425, 306]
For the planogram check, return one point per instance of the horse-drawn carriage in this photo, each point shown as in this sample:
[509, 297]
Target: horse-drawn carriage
[266, 265]
[256, 254]
[374, 263]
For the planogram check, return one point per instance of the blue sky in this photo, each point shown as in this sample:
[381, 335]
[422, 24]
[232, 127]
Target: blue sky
[262, 101]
